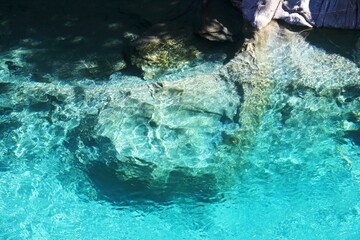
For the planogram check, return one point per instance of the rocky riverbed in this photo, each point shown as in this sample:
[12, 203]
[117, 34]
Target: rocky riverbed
[172, 132]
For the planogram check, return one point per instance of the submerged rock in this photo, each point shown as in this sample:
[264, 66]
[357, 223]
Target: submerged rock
[173, 124]
[188, 136]
[272, 68]
[12, 67]
[96, 67]
[159, 141]
[164, 49]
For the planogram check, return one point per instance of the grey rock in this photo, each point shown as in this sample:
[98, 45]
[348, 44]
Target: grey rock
[172, 124]
[339, 14]
[311, 13]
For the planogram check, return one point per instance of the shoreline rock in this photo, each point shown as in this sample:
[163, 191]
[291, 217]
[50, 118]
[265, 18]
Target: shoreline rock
[309, 13]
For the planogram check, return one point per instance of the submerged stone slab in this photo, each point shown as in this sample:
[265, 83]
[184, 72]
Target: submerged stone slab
[272, 67]
[278, 54]
[172, 124]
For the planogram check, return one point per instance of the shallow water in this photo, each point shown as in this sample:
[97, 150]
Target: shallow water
[265, 147]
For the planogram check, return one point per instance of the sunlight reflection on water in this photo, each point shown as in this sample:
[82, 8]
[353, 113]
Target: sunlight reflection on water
[172, 160]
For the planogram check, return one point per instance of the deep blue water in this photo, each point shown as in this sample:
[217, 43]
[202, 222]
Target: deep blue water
[269, 151]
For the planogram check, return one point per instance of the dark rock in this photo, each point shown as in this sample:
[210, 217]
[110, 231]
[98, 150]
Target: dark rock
[353, 136]
[84, 133]
[46, 103]
[8, 126]
[13, 67]
[37, 77]
[79, 93]
[285, 113]
[213, 30]
[41, 107]
[336, 41]
[5, 110]
[5, 87]
[219, 21]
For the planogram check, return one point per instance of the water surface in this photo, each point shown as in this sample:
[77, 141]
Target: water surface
[263, 147]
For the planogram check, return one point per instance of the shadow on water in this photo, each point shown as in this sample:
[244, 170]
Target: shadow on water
[5, 87]
[341, 42]
[333, 41]
[66, 38]
[125, 183]
[83, 38]
[4, 167]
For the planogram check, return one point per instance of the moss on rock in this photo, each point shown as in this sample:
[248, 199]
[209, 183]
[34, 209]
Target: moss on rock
[164, 52]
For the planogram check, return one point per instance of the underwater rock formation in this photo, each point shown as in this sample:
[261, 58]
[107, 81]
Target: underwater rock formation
[164, 47]
[271, 64]
[175, 126]
[311, 13]
[179, 136]
[264, 54]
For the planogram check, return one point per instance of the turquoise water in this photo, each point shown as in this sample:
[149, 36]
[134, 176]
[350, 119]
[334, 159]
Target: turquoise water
[264, 147]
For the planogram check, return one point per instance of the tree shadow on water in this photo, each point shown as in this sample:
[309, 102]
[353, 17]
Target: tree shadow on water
[83, 39]
[334, 41]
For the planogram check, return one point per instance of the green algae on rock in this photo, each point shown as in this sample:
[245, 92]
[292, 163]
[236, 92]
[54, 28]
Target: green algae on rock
[162, 52]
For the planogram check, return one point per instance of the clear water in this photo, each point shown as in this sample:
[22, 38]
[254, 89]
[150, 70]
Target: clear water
[265, 147]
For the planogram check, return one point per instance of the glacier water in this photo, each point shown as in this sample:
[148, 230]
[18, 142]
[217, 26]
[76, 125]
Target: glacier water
[263, 147]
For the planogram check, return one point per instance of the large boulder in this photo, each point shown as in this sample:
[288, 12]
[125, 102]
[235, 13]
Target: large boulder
[312, 13]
